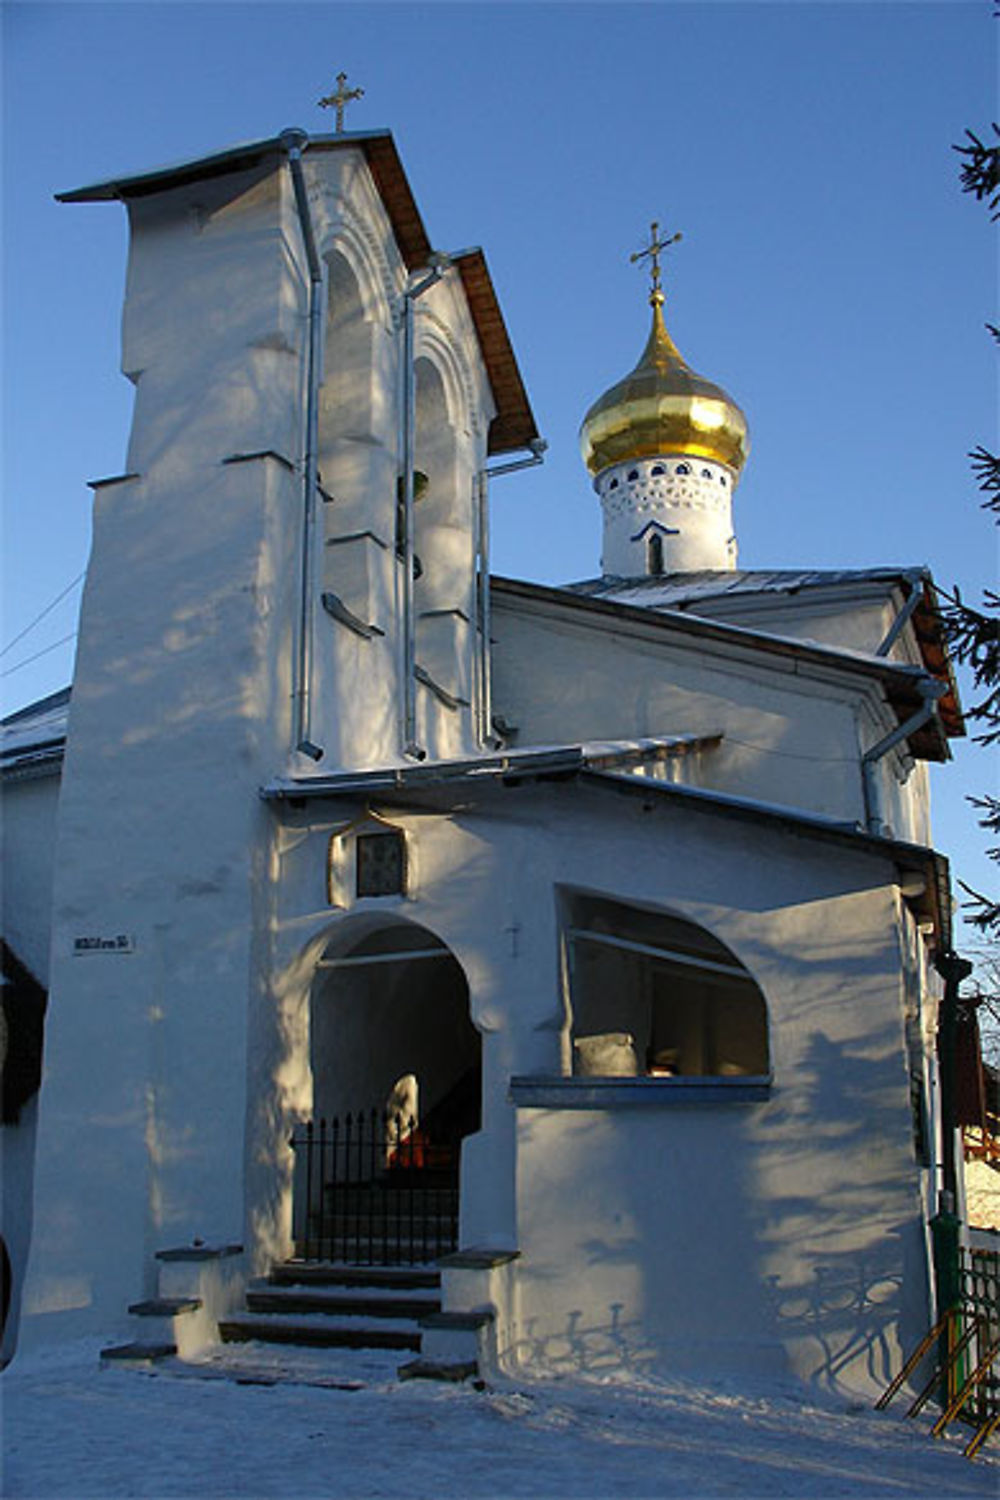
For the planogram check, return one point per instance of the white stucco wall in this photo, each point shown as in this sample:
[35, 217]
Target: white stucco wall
[690, 502]
[180, 710]
[784, 1234]
[855, 620]
[789, 737]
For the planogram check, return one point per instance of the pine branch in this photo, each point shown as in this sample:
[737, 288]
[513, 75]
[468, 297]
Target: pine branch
[980, 911]
[986, 467]
[980, 172]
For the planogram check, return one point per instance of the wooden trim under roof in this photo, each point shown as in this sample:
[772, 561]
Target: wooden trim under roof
[928, 628]
[513, 426]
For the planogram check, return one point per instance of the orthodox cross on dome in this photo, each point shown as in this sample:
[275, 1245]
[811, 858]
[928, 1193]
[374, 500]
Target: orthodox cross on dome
[653, 250]
[339, 99]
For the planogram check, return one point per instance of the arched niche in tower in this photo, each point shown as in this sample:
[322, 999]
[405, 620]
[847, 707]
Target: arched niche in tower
[442, 513]
[354, 408]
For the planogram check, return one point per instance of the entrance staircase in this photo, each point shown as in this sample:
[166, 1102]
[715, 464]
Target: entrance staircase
[337, 1307]
[321, 1305]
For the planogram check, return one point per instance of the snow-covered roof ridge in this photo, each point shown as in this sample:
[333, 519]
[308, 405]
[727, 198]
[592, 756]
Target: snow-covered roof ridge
[672, 588]
[32, 739]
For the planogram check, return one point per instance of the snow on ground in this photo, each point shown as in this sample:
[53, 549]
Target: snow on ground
[256, 1422]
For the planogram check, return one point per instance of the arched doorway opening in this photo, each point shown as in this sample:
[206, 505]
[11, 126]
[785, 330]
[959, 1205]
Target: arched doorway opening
[396, 1065]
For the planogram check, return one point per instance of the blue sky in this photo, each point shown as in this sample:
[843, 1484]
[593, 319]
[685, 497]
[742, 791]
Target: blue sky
[832, 276]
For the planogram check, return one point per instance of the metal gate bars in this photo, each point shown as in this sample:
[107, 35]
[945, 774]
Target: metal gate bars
[372, 1189]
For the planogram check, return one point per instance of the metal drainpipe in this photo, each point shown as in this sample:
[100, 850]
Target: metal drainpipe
[931, 690]
[538, 447]
[293, 141]
[945, 1224]
[408, 421]
[916, 581]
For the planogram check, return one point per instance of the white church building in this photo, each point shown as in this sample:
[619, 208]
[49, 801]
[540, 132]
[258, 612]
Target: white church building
[619, 896]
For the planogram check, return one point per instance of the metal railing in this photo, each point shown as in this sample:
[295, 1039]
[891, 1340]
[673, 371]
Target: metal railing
[372, 1188]
[979, 1279]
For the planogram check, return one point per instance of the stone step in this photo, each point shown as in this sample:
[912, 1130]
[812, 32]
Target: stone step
[350, 1230]
[393, 1198]
[164, 1307]
[139, 1353]
[438, 1369]
[383, 1253]
[458, 1322]
[374, 1303]
[319, 1332]
[331, 1273]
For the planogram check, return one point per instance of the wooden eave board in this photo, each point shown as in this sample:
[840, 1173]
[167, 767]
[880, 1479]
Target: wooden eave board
[400, 204]
[514, 424]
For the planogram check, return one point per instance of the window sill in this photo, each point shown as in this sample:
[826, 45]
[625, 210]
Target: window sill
[629, 1093]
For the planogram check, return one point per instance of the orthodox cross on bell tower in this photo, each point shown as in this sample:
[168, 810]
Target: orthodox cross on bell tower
[338, 99]
[653, 251]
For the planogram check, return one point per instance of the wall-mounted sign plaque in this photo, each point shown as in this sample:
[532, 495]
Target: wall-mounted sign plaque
[120, 942]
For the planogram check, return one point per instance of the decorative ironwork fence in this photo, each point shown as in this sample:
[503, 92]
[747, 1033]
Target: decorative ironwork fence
[979, 1273]
[372, 1188]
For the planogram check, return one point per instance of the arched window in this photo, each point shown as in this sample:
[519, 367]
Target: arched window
[345, 409]
[653, 994]
[654, 554]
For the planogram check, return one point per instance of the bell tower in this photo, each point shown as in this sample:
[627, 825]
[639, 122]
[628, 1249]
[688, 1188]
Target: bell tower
[665, 448]
[288, 579]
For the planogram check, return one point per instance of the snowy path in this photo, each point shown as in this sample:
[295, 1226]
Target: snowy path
[73, 1430]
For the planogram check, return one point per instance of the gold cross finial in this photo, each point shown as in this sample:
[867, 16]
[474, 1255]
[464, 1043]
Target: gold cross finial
[339, 99]
[652, 250]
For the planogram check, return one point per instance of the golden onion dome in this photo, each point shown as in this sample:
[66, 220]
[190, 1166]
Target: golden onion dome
[663, 407]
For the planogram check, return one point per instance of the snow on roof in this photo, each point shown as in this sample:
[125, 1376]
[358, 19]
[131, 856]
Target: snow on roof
[536, 760]
[674, 590]
[683, 591]
[33, 738]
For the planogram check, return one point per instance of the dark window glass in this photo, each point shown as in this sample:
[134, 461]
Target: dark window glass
[381, 859]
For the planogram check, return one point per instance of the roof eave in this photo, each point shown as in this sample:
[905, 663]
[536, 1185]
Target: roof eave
[513, 427]
[899, 680]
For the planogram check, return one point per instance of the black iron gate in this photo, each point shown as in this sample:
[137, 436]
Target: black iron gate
[373, 1189]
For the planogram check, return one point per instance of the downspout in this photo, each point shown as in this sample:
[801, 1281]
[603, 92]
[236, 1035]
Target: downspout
[293, 141]
[899, 624]
[438, 264]
[482, 521]
[946, 1226]
[930, 690]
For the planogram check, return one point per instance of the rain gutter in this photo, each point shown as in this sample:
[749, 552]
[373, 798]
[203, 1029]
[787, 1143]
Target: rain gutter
[293, 141]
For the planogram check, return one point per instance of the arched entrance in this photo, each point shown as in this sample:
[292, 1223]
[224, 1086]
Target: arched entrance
[396, 1065]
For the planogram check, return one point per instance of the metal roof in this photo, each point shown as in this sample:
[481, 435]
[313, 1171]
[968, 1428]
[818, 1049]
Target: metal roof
[606, 765]
[900, 680]
[673, 590]
[684, 591]
[507, 765]
[514, 426]
[33, 739]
